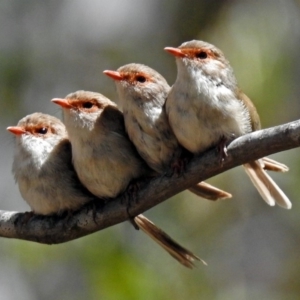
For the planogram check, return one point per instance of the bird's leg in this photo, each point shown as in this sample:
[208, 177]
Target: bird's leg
[129, 196]
[178, 166]
[222, 147]
[25, 217]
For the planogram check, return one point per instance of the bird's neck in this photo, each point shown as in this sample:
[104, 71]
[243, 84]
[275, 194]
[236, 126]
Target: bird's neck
[192, 83]
[30, 156]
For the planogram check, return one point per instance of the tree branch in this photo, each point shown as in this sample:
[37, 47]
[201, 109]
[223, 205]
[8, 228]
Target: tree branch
[92, 218]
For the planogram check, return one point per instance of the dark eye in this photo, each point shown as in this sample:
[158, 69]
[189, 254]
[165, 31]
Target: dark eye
[42, 130]
[140, 78]
[87, 105]
[201, 55]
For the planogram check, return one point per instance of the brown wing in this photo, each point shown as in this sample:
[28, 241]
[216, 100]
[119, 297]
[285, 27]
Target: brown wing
[255, 121]
[112, 118]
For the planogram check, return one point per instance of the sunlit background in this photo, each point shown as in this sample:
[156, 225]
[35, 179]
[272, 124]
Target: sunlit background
[51, 48]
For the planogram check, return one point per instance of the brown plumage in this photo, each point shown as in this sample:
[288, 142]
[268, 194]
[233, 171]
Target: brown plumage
[205, 99]
[142, 93]
[43, 166]
[105, 159]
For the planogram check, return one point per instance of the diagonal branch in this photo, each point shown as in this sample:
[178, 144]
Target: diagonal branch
[92, 218]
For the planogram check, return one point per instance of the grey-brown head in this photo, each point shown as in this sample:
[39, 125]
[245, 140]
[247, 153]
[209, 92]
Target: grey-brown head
[82, 108]
[139, 83]
[39, 126]
[199, 56]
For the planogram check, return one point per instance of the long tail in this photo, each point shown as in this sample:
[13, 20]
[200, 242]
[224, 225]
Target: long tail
[266, 186]
[184, 256]
[209, 192]
[273, 165]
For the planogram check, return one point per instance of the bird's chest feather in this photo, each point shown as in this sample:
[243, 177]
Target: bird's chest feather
[208, 111]
[149, 130]
[106, 167]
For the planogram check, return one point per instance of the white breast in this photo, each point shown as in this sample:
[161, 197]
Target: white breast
[203, 111]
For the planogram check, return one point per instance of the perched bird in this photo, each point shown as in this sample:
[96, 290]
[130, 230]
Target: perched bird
[206, 108]
[142, 93]
[43, 167]
[105, 159]
[103, 156]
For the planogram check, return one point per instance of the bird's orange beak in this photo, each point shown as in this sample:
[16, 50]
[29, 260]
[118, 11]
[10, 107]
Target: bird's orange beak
[175, 51]
[113, 74]
[62, 102]
[16, 130]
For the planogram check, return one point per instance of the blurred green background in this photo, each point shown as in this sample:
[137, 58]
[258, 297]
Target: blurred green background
[51, 48]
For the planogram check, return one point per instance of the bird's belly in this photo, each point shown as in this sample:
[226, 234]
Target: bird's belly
[38, 197]
[198, 132]
[104, 180]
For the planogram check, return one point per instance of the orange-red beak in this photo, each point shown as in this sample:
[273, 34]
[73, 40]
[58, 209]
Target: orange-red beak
[175, 51]
[62, 102]
[16, 130]
[113, 74]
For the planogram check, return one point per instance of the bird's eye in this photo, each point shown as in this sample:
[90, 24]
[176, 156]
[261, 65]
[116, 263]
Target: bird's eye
[87, 105]
[201, 55]
[42, 130]
[140, 78]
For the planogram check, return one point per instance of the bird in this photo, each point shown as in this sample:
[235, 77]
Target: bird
[43, 168]
[105, 159]
[142, 93]
[99, 141]
[206, 108]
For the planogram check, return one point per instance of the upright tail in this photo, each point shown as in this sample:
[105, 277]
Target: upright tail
[266, 186]
[184, 256]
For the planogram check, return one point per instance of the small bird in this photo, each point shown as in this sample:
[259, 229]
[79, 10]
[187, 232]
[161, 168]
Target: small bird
[105, 159]
[103, 156]
[206, 108]
[142, 93]
[43, 168]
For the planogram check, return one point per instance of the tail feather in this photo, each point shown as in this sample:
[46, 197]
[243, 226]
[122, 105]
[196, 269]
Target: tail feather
[184, 256]
[209, 192]
[266, 186]
[273, 165]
